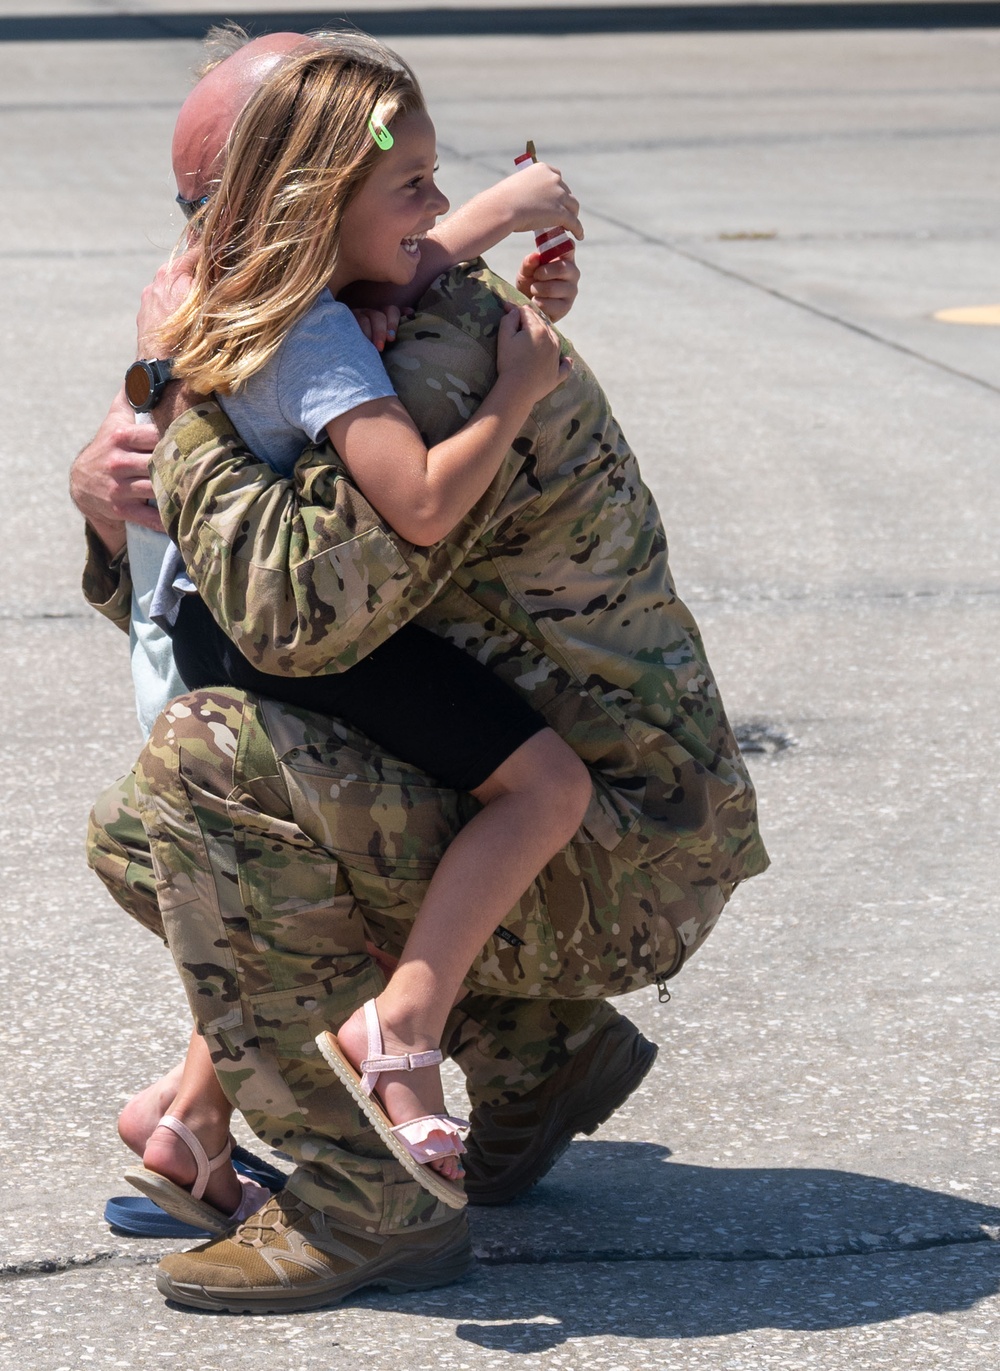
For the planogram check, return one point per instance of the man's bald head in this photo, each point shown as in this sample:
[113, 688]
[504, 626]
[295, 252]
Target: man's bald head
[209, 112]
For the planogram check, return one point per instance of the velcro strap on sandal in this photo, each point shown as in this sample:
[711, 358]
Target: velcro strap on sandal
[409, 1061]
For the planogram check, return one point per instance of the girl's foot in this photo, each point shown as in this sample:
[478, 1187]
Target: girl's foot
[164, 1152]
[405, 1095]
[169, 1155]
[145, 1110]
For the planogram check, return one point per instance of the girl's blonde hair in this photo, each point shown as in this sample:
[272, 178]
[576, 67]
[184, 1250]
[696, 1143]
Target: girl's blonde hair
[296, 157]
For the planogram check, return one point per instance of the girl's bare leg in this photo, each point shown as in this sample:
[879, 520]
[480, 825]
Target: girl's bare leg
[532, 805]
[192, 1094]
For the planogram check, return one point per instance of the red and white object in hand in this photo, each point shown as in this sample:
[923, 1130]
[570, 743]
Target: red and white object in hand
[551, 243]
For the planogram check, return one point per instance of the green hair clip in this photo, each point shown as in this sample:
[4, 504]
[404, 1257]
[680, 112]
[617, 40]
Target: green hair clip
[380, 133]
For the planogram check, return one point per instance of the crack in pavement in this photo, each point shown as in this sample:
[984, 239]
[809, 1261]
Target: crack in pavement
[867, 1244]
[58, 1266]
[498, 1254]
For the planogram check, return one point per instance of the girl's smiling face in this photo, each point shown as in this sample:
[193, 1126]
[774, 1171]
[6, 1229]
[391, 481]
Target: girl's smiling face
[381, 228]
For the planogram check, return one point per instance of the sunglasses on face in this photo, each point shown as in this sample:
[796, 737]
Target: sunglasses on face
[189, 208]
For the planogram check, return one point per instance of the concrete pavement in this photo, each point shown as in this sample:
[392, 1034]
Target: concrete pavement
[809, 1177]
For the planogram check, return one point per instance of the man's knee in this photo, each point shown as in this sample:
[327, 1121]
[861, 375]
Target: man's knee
[118, 851]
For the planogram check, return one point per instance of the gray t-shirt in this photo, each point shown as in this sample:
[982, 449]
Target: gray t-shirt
[325, 367]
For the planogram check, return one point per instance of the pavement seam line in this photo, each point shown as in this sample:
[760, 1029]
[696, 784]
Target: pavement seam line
[79, 254]
[671, 245]
[755, 596]
[821, 598]
[43, 615]
[805, 306]
[875, 1245]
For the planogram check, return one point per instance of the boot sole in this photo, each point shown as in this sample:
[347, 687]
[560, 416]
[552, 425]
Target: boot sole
[414, 1273]
[570, 1123]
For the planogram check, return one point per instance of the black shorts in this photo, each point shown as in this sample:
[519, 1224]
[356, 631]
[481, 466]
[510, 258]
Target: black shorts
[417, 696]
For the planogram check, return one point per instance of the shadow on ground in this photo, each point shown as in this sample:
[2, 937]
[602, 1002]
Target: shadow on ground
[711, 1251]
[657, 1207]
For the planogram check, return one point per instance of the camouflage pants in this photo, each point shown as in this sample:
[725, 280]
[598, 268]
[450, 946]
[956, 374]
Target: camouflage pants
[269, 933]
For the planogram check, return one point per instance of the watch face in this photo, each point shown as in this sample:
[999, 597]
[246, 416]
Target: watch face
[138, 385]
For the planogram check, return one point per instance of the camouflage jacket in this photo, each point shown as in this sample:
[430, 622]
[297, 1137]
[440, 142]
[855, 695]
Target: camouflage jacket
[558, 579]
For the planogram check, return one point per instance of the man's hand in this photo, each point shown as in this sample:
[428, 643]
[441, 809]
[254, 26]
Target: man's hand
[552, 287]
[165, 293]
[109, 481]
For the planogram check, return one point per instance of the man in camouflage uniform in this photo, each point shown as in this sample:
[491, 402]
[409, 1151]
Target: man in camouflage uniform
[284, 845]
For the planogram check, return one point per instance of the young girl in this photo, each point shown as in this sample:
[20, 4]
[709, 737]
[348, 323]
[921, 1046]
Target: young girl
[329, 180]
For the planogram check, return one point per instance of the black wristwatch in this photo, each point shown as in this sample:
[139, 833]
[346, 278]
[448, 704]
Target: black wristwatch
[145, 382]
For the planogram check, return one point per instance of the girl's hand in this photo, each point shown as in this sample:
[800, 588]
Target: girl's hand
[538, 198]
[528, 355]
[380, 325]
[552, 287]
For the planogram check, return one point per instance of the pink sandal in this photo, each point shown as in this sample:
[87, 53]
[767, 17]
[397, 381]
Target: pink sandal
[188, 1205]
[417, 1142]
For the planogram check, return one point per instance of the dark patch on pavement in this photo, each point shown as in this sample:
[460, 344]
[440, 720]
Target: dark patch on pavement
[759, 738]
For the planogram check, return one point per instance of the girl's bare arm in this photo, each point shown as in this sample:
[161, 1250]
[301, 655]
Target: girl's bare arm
[421, 492]
[532, 199]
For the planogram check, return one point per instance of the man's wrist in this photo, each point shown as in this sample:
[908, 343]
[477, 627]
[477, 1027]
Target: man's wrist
[177, 399]
[111, 535]
[145, 381]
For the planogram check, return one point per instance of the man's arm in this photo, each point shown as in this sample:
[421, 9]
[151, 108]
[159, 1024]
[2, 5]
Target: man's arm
[303, 573]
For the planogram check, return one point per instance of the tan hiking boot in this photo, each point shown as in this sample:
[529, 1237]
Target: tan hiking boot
[512, 1145]
[289, 1256]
